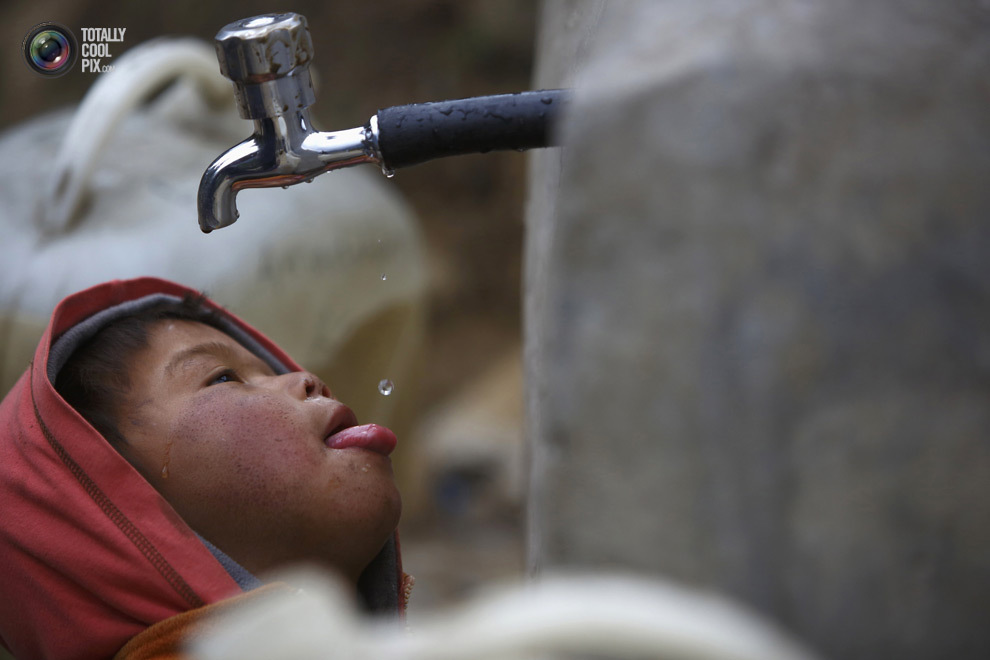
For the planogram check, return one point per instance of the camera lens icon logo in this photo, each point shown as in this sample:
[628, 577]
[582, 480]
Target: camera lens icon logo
[50, 49]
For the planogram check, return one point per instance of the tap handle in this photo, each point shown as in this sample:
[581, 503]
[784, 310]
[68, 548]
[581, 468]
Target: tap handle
[267, 57]
[413, 134]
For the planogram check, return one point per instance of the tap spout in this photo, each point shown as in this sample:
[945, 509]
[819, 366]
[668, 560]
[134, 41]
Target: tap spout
[283, 151]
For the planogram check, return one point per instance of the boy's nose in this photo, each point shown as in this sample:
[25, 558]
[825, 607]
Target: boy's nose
[306, 385]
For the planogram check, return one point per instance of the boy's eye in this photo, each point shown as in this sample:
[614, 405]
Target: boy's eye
[225, 376]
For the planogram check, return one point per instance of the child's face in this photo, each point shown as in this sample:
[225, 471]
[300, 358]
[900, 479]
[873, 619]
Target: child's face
[241, 453]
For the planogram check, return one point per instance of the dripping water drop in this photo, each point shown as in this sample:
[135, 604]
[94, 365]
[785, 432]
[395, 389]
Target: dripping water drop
[385, 387]
[384, 277]
[168, 453]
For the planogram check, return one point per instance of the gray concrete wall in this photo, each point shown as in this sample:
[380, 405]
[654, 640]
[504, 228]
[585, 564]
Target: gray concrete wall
[757, 311]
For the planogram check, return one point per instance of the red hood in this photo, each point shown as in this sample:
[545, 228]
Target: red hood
[90, 553]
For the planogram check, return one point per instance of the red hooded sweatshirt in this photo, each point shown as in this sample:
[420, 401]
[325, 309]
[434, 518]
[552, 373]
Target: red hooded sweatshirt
[90, 554]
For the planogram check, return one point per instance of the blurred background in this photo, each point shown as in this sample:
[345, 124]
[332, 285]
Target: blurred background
[462, 523]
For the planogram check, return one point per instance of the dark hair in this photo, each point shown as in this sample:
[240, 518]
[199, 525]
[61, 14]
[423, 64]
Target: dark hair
[95, 380]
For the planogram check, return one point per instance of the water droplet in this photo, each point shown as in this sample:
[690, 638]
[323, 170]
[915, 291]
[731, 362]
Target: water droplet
[285, 187]
[387, 171]
[384, 277]
[385, 386]
[547, 100]
[365, 468]
[164, 472]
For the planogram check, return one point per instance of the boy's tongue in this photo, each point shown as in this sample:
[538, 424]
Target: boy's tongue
[367, 436]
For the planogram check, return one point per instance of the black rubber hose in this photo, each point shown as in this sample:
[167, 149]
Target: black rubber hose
[413, 134]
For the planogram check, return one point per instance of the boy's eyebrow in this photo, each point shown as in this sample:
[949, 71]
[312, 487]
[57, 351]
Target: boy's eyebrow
[210, 348]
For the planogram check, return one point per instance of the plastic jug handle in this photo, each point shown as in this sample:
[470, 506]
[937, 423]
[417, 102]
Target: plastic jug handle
[138, 73]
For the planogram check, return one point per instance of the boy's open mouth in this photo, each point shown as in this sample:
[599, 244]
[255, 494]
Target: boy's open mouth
[366, 436]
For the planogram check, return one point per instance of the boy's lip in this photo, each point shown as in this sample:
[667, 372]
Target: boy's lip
[366, 436]
[341, 417]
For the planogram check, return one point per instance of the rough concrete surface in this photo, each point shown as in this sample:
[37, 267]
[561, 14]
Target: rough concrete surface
[758, 311]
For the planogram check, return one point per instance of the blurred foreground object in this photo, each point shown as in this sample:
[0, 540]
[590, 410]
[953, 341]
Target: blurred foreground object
[616, 617]
[758, 311]
[333, 272]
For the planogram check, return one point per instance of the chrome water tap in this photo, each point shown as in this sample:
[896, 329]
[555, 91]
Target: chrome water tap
[267, 58]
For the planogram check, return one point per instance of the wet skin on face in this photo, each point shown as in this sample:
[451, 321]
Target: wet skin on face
[239, 453]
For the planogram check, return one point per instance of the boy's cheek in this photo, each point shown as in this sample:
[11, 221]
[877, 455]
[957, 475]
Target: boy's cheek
[143, 422]
[137, 415]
